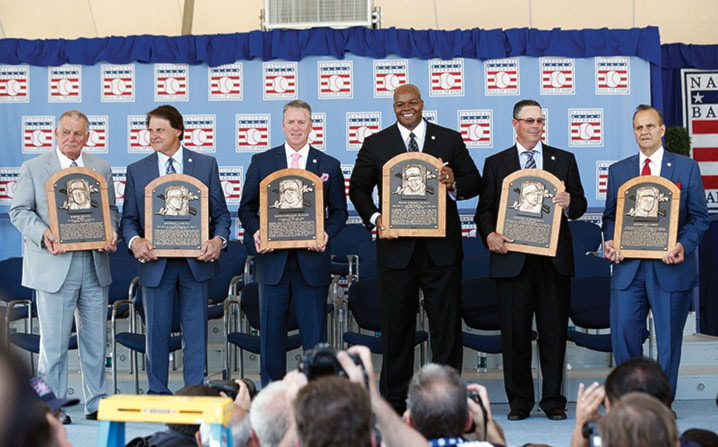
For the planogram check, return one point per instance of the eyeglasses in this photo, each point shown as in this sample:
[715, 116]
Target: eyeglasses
[531, 121]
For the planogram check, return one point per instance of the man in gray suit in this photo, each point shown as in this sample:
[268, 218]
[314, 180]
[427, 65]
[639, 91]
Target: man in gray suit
[67, 284]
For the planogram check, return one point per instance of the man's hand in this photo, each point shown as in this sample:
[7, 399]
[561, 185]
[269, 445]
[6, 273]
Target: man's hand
[675, 256]
[494, 432]
[562, 199]
[588, 402]
[142, 250]
[610, 252]
[258, 244]
[112, 246]
[381, 231]
[496, 243]
[446, 174]
[210, 250]
[320, 247]
[51, 241]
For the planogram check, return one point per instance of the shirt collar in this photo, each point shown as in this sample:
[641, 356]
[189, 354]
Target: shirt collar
[178, 157]
[419, 132]
[304, 152]
[66, 162]
[656, 160]
[538, 149]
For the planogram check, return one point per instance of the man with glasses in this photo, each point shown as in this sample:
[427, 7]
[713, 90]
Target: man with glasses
[528, 284]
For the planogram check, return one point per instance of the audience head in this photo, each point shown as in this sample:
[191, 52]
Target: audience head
[333, 411]
[271, 414]
[437, 406]
[639, 420]
[639, 374]
[192, 390]
[704, 438]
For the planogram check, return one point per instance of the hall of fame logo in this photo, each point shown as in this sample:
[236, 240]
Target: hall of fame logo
[225, 82]
[98, 138]
[118, 83]
[586, 127]
[230, 177]
[544, 135]
[239, 230]
[475, 127]
[317, 136]
[557, 76]
[64, 83]
[14, 83]
[119, 180]
[252, 132]
[335, 80]
[37, 134]
[501, 76]
[430, 115]
[602, 178]
[138, 137]
[171, 82]
[468, 226]
[199, 132]
[447, 77]
[361, 125]
[388, 75]
[612, 75]
[8, 181]
[280, 80]
[347, 174]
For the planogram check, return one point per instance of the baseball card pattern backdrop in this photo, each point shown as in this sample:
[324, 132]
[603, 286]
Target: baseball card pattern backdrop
[231, 89]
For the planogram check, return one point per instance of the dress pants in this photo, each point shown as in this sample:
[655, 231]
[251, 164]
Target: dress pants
[81, 297]
[309, 303]
[178, 292]
[539, 289]
[399, 306]
[629, 309]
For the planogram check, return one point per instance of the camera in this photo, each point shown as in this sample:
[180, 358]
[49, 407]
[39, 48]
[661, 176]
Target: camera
[590, 432]
[322, 361]
[231, 388]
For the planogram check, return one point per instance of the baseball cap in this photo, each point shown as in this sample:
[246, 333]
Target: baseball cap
[44, 392]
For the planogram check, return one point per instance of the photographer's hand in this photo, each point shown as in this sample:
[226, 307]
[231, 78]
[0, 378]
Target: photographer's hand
[588, 401]
[243, 400]
[494, 431]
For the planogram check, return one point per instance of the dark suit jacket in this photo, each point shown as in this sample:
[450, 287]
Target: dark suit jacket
[441, 143]
[692, 220]
[269, 267]
[560, 163]
[139, 174]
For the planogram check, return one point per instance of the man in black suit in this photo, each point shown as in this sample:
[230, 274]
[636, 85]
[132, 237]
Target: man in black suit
[409, 263]
[528, 284]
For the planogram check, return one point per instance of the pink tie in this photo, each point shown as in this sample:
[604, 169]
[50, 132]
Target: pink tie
[295, 160]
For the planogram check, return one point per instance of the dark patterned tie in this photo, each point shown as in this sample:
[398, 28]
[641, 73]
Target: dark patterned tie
[171, 166]
[73, 164]
[413, 147]
[530, 162]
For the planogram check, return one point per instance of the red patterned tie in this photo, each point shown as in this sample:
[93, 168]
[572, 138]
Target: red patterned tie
[646, 169]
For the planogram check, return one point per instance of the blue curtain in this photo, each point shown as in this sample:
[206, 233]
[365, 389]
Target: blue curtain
[676, 56]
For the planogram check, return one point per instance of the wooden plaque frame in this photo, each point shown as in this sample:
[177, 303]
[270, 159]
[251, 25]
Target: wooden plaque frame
[197, 218]
[665, 219]
[512, 214]
[272, 202]
[55, 184]
[392, 184]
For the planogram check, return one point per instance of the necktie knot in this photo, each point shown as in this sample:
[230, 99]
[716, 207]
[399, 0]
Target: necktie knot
[73, 164]
[530, 162]
[295, 160]
[171, 166]
[413, 145]
[646, 167]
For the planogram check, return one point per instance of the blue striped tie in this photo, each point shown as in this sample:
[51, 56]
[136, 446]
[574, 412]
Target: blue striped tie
[530, 162]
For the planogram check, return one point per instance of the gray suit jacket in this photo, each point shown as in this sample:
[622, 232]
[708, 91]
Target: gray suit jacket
[29, 214]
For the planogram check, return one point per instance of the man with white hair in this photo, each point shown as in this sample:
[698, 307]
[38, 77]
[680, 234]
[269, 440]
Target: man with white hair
[271, 415]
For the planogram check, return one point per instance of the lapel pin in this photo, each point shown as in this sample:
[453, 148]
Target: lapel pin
[553, 157]
[314, 160]
[433, 137]
[189, 160]
[669, 164]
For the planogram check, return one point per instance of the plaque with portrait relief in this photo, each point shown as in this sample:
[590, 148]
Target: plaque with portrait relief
[527, 213]
[413, 202]
[647, 209]
[79, 209]
[291, 209]
[176, 215]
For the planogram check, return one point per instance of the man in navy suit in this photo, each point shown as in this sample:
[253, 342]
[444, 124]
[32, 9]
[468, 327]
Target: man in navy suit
[663, 285]
[529, 284]
[296, 278]
[407, 264]
[170, 282]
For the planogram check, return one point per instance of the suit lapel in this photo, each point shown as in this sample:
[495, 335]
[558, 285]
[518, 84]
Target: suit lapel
[313, 161]
[510, 160]
[668, 165]
[187, 161]
[280, 158]
[52, 164]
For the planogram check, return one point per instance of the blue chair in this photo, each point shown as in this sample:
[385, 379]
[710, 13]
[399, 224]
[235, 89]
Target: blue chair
[16, 298]
[586, 236]
[344, 249]
[364, 306]
[590, 302]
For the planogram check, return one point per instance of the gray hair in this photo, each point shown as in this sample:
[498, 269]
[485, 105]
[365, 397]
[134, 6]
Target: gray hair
[270, 414]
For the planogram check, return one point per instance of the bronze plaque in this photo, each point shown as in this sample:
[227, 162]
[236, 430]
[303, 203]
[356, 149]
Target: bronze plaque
[176, 215]
[527, 213]
[79, 209]
[291, 209]
[647, 217]
[413, 203]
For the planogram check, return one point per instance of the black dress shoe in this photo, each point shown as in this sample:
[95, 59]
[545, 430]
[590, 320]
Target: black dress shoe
[64, 418]
[556, 414]
[518, 415]
[92, 416]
